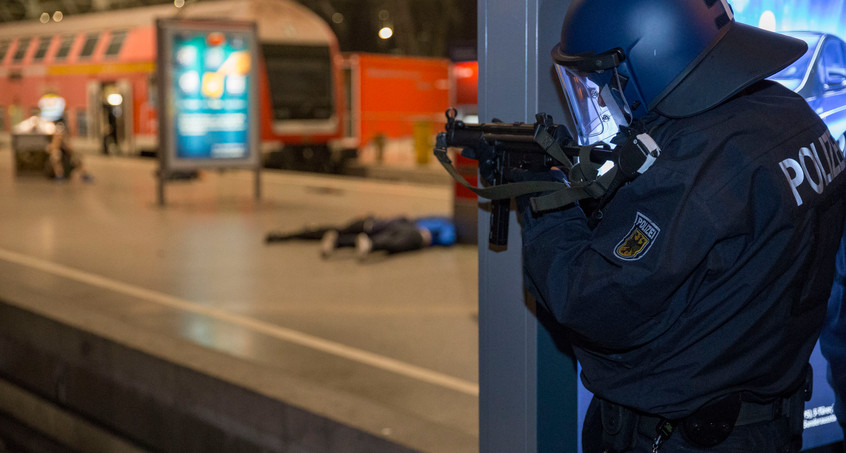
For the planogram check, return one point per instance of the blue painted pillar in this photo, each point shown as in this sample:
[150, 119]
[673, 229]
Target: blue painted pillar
[528, 394]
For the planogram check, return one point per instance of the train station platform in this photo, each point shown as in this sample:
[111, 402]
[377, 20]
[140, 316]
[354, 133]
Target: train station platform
[128, 326]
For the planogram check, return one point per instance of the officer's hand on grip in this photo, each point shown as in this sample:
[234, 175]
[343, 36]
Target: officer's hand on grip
[520, 175]
[486, 156]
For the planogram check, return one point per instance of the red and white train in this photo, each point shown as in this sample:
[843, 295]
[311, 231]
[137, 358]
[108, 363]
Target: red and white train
[104, 65]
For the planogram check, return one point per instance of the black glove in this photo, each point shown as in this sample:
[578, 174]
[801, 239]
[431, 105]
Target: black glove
[523, 201]
[484, 154]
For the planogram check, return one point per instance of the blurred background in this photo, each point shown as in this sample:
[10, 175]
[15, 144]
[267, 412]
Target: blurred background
[131, 321]
[431, 28]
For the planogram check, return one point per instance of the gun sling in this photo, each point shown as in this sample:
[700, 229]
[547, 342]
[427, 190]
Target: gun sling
[585, 183]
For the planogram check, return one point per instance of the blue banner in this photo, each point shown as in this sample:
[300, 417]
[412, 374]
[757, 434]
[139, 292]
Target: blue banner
[828, 16]
[828, 100]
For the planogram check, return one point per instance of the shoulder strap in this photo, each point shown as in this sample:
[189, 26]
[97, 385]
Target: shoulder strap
[560, 193]
[499, 192]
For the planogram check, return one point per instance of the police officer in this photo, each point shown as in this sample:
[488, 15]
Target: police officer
[695, 301]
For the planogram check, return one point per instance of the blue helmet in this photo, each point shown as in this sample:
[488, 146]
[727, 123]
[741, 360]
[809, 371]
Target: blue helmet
[674, 57]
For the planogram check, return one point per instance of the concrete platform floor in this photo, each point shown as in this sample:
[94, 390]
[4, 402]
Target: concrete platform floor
[388, 345]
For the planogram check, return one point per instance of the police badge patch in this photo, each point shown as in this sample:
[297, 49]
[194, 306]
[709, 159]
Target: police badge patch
[638, 240]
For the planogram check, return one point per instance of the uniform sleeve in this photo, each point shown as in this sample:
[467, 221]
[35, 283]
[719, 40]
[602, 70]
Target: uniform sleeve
[615, 286]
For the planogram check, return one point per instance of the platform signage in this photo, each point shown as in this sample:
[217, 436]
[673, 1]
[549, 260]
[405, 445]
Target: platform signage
[207, 86]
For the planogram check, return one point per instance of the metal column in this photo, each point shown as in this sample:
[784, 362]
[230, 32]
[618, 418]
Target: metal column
[527, 385]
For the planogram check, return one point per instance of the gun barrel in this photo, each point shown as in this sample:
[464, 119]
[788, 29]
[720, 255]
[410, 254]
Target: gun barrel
[469, 135]
[490, 138]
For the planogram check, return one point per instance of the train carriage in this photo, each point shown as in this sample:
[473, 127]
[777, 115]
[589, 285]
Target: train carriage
[104, 65]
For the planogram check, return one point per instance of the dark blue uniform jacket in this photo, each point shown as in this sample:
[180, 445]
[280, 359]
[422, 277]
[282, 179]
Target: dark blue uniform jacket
[709, 273]
[833, 335]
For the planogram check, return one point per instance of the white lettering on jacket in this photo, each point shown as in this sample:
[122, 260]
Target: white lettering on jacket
[816, 165]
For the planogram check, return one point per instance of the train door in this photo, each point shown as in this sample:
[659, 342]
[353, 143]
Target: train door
[89, 122]
[351, 79]
[126, 121]
[110, 110]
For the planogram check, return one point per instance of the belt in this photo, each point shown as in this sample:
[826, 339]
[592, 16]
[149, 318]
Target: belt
[712, 423]
[750, 413]
[708, 427]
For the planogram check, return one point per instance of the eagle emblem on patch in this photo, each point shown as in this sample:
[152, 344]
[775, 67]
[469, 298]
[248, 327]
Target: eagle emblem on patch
[638, 240]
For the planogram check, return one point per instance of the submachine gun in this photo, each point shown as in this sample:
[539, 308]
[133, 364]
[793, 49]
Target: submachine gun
[509, 152]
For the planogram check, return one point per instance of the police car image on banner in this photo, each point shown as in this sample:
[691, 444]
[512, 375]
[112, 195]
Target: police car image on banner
[638, 240]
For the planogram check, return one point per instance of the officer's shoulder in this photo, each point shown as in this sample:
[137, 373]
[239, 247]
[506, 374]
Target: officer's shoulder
[773, 95]
[759, 108]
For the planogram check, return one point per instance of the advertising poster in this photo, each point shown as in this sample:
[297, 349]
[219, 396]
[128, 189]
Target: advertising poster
[820, 77]
[208, 92]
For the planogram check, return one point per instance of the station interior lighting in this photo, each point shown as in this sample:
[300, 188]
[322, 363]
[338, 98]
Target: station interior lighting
[767, 21]
[45, 17]
[114, 99]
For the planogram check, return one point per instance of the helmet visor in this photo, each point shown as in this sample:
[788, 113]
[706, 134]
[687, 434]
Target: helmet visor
[596, 102]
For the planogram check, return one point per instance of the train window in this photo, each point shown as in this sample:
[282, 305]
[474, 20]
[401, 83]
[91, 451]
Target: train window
[116, 43]
[300, 79]
[90, 44]
[64, 47]
[4, 47]
[20, 53]
[43, 45]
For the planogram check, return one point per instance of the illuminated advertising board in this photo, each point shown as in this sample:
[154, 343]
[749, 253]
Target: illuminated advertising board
[821, 24]
[207, 86]
[792, 15]
[819, 75]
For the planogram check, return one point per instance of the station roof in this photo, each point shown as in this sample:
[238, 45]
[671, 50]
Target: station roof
[18, 10]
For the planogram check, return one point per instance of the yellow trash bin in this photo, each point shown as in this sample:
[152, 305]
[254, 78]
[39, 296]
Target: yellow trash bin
[423, 141]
